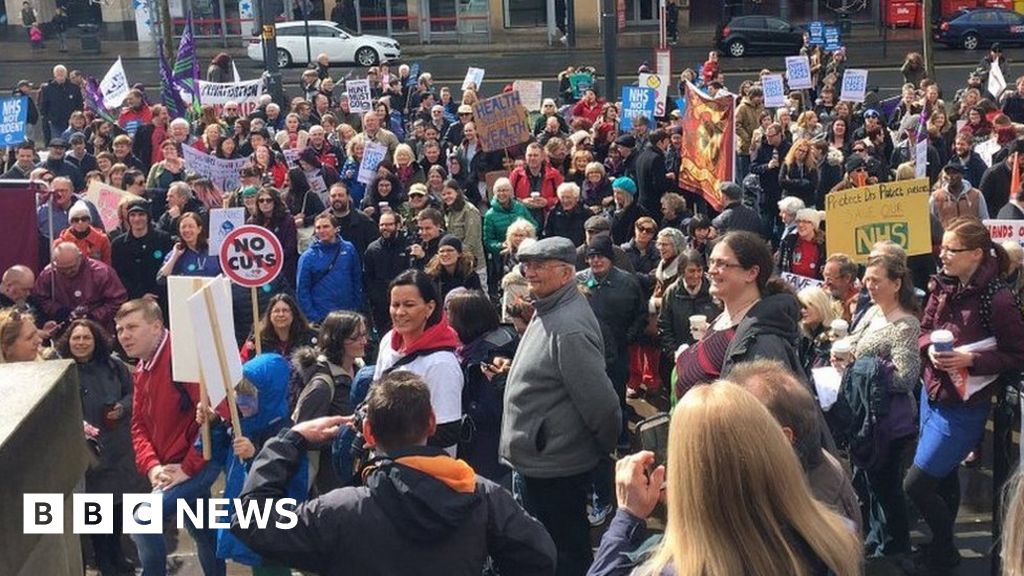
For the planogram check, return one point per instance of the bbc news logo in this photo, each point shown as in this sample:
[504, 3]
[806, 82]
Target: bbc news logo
[144, 513]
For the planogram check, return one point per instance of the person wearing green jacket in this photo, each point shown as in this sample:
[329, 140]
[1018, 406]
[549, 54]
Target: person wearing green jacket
[504, 210]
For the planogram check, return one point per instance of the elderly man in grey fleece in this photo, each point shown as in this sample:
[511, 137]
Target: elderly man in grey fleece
[561, 413]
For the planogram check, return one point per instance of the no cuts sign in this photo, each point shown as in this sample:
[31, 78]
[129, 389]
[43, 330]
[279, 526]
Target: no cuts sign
[251, 256]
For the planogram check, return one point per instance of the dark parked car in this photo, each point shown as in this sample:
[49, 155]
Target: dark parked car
[973, 29]
[759, 35]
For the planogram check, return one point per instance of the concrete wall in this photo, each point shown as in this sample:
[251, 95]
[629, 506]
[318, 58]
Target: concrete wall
[42, 450]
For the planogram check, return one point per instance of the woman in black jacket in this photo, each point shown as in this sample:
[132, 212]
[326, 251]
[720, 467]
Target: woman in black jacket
[799, 174]
[106, 391]
[452, 267]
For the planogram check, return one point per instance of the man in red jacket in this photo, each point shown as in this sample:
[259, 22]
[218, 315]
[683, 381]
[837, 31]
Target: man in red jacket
[163, 430]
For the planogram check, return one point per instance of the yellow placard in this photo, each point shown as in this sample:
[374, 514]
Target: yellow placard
[858, 218]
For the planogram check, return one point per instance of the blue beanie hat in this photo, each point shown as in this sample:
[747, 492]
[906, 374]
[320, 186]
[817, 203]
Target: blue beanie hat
[625, 184]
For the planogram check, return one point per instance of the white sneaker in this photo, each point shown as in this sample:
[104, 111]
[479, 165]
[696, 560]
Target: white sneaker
[598, 514]
[564, 40]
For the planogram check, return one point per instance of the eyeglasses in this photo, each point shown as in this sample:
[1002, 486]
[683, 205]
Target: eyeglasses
[858, 170]
[80, 219]
[948, 250]
[858, 150]
[718, 264]
[645, 229]
[265, 201]
[357, 337]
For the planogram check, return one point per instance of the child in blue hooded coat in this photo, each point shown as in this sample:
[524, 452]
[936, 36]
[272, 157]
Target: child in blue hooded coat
[262, 399]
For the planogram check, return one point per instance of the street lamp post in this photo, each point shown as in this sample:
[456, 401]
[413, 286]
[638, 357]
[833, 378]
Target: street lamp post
[608, 30]
[268, 33]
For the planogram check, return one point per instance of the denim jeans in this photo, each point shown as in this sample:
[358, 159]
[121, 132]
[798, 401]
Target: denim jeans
[152, 547]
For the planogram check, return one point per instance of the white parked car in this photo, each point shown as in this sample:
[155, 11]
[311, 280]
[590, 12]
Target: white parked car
[328, 38]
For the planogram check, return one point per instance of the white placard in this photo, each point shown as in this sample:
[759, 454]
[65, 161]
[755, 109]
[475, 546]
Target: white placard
[996, 82]
[213, 325]
[245, 94]
[359, 99]
[774, 90]
[1003, 230]
[827, 382]
[798, 72]
[798, 282]
[658, 83]
[373, 154]
[474, 78]
[987, 149]
[184, 355]
[921, 159]
[223, 221]
[855, 85]
[114, 86]
[530, 93]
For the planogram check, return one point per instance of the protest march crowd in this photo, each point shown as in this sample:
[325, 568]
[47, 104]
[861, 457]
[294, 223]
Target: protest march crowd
[443, 374]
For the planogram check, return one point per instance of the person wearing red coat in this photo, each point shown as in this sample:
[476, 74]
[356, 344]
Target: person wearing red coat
[163, 429]
[75, 286]
[536, 182]
[90, 240]
[589, 107]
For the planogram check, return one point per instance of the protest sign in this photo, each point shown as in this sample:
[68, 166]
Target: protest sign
[855, 85]
[798, 282]
[359, 99]
[245, 94]
[774, 90]
[373, 155]
[222, 222]
[636, 102]
[663, 62]
[580, 82]
[114, 86]
[184, 358]
[106, 198]
[414, 75]
[1003, 230]
[474, 79]
[658, 82]
[251, 256]
[921, 159]
[816, 31]
[223, 173]
[501, 121]
[832, 39]
[530, 92]
[706, 154]
[13, 118]
[798, 72]
[987, 150]
[996, 82]
[211, 315]
[896, 211]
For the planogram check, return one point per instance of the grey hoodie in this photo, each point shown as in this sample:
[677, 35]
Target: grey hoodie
[561, 412]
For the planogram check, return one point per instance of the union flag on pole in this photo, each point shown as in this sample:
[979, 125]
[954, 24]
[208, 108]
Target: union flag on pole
[708, 152]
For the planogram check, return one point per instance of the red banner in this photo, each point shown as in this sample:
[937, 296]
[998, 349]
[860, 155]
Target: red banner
[708, 144]
[19, 236]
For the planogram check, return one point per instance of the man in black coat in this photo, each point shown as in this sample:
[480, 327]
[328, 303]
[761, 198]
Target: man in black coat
[353, 225]
[651, 172]
[147, 139]
[137, 254]
[995, 182]
[58, 166]
[766, 165]
[57, 100]
[735, 216]
[385, 258]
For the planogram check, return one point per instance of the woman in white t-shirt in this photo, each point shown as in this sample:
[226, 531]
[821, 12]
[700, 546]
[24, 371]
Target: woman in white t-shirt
[422, 342]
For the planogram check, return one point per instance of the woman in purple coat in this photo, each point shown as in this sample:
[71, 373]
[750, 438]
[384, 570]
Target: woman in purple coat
[272, 214]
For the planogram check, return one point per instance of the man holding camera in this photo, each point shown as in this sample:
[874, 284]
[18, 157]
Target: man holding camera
[418, 507]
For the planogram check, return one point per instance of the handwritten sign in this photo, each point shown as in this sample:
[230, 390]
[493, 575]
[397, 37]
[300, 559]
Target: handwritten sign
[798, 72]
[373, 155]
[359, 98]
[245, 94]
[222, 222]
[798, 282]
[1003, 230]
[855, 85]
[13, 117]
[106, 198]
[501, 121]
[860, 217]
[530, 92]
[637, 101]
[774, 90]
[474, 79]
[658, 82]
[223, 173]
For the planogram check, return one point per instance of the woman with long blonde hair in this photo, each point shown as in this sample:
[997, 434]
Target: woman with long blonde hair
[1012, 553]
[736, 505]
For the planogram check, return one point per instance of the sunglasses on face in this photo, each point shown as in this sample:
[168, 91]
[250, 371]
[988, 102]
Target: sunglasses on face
[77, 219]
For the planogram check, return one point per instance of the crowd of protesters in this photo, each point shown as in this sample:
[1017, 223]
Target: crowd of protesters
[504, 308]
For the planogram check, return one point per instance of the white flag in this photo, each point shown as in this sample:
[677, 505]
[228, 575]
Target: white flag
[234, 71]
[114, 86]
[996, 82]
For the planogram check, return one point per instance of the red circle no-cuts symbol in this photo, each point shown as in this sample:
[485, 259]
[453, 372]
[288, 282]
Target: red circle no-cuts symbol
[251, 256]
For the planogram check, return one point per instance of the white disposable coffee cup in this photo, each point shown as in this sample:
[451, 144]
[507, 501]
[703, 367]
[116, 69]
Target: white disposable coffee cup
[842, 350]
[698, 322]
[942, 340]
[535, 194]
[840, 327]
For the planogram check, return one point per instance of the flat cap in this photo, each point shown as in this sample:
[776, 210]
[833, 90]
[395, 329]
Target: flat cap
[553, 248]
